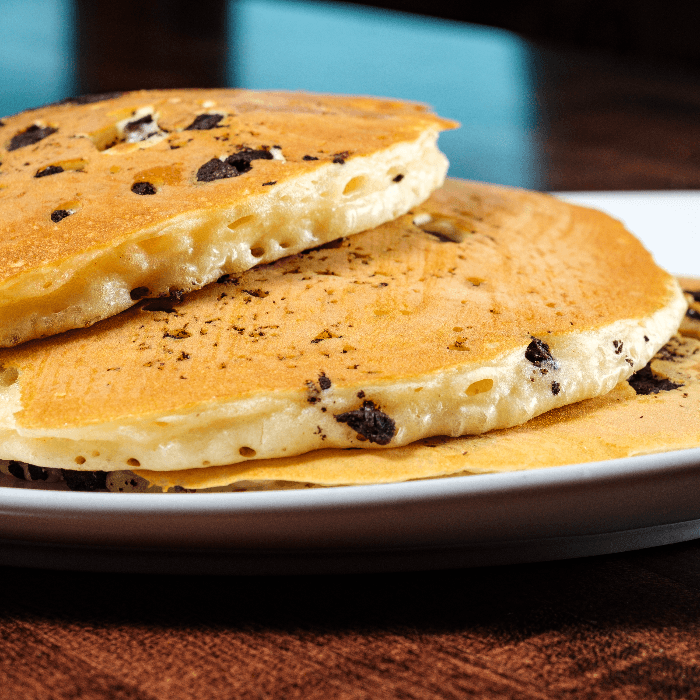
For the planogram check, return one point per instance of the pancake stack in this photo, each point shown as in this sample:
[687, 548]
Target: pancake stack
[359, 357]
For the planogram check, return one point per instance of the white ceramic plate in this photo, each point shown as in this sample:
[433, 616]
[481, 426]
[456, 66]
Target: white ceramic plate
[574, 510]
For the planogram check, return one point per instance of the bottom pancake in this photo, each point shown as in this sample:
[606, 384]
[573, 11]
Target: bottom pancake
[656, 410]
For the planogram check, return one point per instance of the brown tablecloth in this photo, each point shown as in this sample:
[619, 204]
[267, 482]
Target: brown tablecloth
[617, 626]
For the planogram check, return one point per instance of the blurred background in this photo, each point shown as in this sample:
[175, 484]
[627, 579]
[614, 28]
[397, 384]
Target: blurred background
[558, 95]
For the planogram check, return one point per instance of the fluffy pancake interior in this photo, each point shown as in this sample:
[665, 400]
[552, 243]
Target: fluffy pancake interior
[479, 310]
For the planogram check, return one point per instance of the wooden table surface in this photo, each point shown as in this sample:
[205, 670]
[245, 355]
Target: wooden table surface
[615, 626]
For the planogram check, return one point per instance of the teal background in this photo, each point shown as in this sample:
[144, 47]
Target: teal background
[480, 76]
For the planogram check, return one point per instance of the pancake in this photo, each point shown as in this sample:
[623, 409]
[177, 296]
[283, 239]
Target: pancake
[656, 410]
[478, 310]
[105, 200]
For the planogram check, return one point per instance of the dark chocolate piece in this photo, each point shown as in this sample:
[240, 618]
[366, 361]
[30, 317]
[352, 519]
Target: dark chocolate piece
[84, 481]
[227, 279]
[16, 471]
[216, 169]
[272, 182]
[617, 344]
[324, 382]
[370, 422]
[398, 178]
[143, 188]
[556, 388]
[49, 170]
[37, 473]
[242, 159]
[139, 293]
[204, 122]
[339, 158]
[309, 158]
[179, 334]
[59, 214]
[539, 354]
[29, 136]
[645, 382]
[89, 99]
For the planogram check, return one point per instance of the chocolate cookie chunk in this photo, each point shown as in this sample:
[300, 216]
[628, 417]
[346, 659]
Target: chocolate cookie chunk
[242, 159]
[85, 481]
[539, 354]
[204, 122]
[373, 424]
[143, 188]
[216, 169]
[59, 214]
[49, 170]
[645, 382]
[30, 136]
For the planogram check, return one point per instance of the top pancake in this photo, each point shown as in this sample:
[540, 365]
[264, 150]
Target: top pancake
[478, 310]
[105, 200]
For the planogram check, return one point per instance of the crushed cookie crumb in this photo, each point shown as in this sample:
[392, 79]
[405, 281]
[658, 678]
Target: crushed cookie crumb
[258, 293]
[216, 169]
[204, 122]
[538, 354]
[645, 382]
[179, 334]
[59, 214]
[49, 170]
[143, 188]
[370, 423]
[340, 158]
[30, 136]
